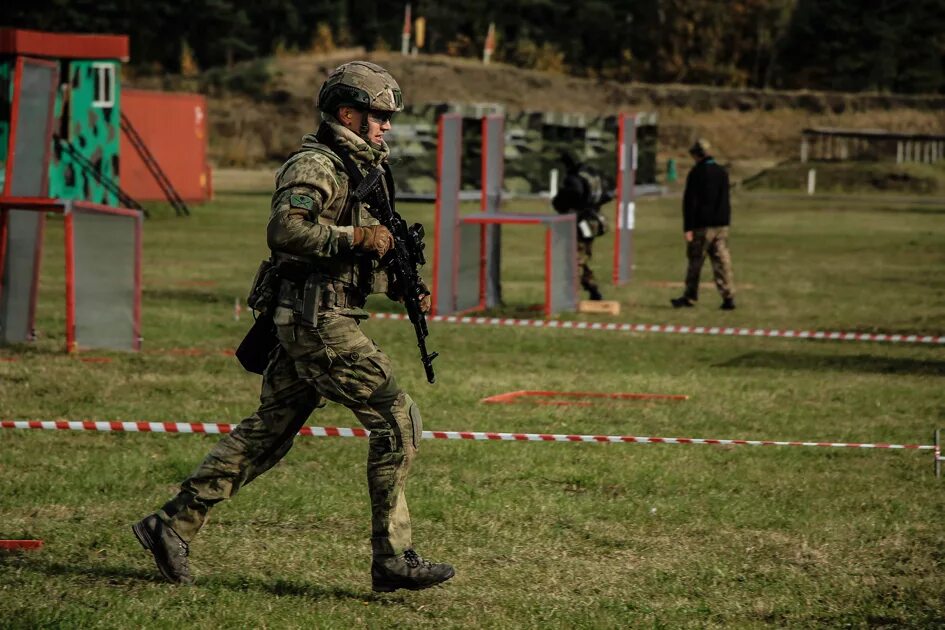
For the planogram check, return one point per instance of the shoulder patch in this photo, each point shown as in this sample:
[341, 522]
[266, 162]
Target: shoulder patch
[301, 201]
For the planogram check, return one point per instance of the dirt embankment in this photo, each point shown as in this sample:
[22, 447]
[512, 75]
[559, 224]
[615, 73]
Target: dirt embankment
[258, 117]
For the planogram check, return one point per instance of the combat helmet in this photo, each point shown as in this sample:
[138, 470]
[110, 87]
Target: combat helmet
[362, 85]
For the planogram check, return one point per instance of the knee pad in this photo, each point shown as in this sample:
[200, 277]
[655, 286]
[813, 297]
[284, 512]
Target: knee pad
[416, 422]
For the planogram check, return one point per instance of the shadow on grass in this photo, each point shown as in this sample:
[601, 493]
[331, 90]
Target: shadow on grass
[913, 209]
[113, 574]
[188, 295]
[830, 363]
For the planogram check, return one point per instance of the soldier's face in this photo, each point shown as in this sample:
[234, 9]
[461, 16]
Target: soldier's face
[378, 123]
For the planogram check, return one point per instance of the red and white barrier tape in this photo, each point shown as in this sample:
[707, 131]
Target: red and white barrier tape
[670, 328]
[212, 428]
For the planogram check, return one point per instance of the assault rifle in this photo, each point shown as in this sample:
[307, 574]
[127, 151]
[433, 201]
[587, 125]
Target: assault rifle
[404, 258]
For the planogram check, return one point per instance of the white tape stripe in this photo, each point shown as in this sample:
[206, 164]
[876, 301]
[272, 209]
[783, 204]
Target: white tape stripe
[211, 428]
[689, 330]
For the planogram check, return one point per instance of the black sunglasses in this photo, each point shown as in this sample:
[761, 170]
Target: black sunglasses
[379, 116]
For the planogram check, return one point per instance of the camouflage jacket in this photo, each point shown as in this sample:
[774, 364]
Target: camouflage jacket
[310, 215]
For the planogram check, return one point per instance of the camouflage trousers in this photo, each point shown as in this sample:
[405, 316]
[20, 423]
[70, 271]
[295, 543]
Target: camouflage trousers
[584, 252]
[714, 242]
[332, 360]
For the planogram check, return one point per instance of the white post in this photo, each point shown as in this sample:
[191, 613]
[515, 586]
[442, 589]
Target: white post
[899, 152]
[553, 184]
[811, 181]
[489, 47]
[405, 35]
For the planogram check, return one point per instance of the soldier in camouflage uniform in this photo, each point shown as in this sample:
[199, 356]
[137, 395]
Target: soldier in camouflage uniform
[583, 192]
[325, 249]
[707, 213]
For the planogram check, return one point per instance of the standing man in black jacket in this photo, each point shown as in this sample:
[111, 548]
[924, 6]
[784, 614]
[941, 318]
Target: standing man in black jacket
[707, 213]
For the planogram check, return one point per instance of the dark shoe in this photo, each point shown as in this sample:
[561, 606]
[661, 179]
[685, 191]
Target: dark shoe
[595, 294]
[408, 571]
[682, 302]
[728, 304]
[169, 550]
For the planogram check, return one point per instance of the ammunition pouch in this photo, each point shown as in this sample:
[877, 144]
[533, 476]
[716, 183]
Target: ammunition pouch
[262, 294]
[306, 286]
[337, 294]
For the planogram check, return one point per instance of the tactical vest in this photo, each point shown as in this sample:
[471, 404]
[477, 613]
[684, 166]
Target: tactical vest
[345, 281]
[593, 186]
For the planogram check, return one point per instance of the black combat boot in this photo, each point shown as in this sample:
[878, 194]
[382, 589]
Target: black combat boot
[728, 304]
[682, 302]
[169, 550]
[408, 571]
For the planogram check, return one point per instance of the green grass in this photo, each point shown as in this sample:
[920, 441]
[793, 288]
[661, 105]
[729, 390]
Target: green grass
[854, 177]
[542, 534]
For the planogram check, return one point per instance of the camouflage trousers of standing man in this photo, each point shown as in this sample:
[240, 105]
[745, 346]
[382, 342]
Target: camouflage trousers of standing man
[711, 241]
[584, 252]
[333, 360]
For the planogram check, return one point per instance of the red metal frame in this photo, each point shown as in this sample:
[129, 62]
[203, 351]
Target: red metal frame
[516, 219]
[436, 214]
[14, 116]
[548, 271]
[62, 206]
[485, 219]
[622, 179]
[456, 247]
[621, 153]
[484, 201]
[37, 263]
[63, 45]
[44, 182]
[136, 313]
[483, 174]
[70, 283]
[3, 245]
[483, 207]
[44, 188]
[68, 208]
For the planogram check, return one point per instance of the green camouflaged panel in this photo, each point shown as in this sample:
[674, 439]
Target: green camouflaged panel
[533, 145]
[94, 131]
[6, 106]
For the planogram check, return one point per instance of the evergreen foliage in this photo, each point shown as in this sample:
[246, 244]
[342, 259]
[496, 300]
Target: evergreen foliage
[852, 45]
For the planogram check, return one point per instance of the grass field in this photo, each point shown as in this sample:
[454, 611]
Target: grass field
[542, 534]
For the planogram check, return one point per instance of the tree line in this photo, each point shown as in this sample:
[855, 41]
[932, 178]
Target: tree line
[849, 45]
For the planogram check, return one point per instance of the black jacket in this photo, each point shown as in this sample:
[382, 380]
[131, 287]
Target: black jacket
[706, 202]
[584, 188]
